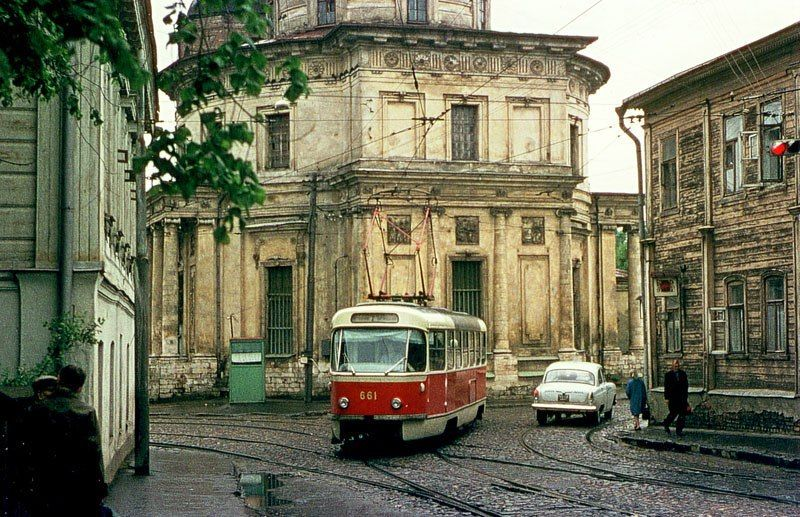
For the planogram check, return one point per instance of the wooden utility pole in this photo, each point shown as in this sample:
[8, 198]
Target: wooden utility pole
[142, 330]
[310, 265]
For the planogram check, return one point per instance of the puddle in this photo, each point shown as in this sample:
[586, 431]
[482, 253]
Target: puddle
[256, 490]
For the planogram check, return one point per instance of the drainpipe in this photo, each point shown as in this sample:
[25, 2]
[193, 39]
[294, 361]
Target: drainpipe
[66, 257]
[220, 326]
[642, 236]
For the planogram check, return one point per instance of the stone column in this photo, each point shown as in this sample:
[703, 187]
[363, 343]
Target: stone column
[608, 282]
[500, 281]
[169, 288]
[156, 284]
[636, 324]
[205, 309]
[505, 364]
[566, 309]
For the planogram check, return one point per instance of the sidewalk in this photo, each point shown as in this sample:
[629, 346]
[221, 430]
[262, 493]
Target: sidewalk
[778, 450]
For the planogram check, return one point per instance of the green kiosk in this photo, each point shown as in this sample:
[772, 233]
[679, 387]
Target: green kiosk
[246, 381]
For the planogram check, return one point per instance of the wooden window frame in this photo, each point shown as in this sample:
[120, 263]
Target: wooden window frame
[326, 12]
[418, 11]
[738, 165]
[672, 315]
[673, 162]
[764, 154]
[729, 307]
[284, 160]
[782, 341]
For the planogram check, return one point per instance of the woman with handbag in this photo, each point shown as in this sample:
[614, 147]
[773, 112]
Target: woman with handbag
[637, 395]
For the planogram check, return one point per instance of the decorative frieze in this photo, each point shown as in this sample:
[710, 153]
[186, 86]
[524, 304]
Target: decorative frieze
[466, 62]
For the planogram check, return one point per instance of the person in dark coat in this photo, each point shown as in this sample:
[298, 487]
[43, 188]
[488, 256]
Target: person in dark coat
[66, 460]
[676, 395]
[637, 395]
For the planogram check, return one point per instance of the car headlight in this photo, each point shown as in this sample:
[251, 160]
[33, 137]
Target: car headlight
[344, 402]
[397, 403]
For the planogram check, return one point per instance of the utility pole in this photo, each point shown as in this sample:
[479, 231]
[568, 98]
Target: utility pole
[142, 324]
[310, 264]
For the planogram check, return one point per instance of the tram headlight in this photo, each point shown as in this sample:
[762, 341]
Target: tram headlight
[397, 403]
[422, 387]
[344, 402]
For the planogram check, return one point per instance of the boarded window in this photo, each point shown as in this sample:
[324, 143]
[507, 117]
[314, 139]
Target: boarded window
[278, 141]
[399, 229]
[669, 173]
[735, 308]
[326, 11]
[771, 130]
[533, 230]
[733, 154]
[467, 292]
[467, 230]
[774, 314]
[672, 324]
[418, 10]
[465, 132]
[279, 329]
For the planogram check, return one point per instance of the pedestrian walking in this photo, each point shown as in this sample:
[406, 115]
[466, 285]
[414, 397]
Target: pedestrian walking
[637, 396]
[66, 461]
[676, 395]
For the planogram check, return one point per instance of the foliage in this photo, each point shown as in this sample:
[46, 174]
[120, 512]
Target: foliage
[622, 250]
[66, 333]
[37, 56]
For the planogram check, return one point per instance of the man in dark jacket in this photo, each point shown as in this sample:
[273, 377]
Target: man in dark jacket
[676, 394]
[66, 461]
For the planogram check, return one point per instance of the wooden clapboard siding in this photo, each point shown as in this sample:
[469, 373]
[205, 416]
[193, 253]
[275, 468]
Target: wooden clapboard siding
[18, 180]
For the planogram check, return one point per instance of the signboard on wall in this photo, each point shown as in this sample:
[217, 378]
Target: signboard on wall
[665, 286]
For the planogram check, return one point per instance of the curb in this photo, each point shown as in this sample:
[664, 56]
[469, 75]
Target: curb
[752, 456]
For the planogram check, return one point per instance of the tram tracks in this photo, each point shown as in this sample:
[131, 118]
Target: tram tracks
[198, 422]
[592, 470]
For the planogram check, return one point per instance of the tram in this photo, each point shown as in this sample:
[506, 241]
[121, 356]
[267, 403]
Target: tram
[407, 372]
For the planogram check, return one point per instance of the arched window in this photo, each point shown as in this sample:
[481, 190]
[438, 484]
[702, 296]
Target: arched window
[774, 313]
[735, 309]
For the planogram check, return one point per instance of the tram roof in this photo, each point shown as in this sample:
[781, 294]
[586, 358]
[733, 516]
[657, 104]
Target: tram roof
[408, 314]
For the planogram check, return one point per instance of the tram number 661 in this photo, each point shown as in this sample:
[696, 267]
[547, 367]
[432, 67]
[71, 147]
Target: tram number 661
[369, 395]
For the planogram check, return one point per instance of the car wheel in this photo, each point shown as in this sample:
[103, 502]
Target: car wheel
[610, 412]
[593, 417]
[541, 417]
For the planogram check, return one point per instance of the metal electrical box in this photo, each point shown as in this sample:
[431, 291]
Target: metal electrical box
[246, 381]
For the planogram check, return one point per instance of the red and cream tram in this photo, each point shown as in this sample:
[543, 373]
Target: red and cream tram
[405, 371]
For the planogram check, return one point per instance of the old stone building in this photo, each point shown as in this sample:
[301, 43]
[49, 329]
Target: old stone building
[444, 158]
[67, 228]
[722, 239]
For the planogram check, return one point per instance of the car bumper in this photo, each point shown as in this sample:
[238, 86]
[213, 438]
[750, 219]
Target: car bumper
[563, 408]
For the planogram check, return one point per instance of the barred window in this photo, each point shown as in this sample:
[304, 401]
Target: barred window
[418, 10]
[771, 129]
[774, 314]
[669, 173]
[533, 230]
[467, 230]
[326, 12]
[735, 308]
[465, 132]
[278, 141]
[279, 327]
[467, 290]
[399, 229]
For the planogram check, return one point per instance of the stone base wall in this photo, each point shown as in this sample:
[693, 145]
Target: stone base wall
[183, 376]
[287, 377]
[618, 364]
[735, 412]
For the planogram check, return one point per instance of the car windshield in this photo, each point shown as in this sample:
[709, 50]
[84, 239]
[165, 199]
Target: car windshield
[581, 376]
[379, 350]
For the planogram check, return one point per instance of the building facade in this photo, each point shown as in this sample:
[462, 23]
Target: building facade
[444, 158]
[66, 181]
[722, 233]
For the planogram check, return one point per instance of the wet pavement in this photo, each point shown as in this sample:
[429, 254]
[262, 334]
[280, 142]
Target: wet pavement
[212, 458]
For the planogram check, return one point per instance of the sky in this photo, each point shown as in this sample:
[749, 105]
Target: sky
[643, 42]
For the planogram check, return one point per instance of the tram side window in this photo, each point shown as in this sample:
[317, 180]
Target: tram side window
[416, 352]
[437, 341]
[473, 344]
[451, 350]
[483, 348]
[465, 349]
[457, 349]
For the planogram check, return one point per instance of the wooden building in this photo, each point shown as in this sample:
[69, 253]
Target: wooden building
[67, 228]
[446, 158]
[722, 233]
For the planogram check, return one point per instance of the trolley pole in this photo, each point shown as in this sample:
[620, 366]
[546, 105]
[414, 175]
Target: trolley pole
[310, 265]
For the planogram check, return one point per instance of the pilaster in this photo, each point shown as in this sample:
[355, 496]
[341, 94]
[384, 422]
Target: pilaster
[169, 288]
[635, 291]
[566, 309]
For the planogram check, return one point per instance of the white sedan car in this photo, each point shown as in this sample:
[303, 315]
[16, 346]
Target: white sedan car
[574, 387]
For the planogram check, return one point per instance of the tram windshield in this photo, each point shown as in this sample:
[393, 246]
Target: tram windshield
[379, 350]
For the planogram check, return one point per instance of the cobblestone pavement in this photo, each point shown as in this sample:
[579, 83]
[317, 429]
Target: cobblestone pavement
[505, 465]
